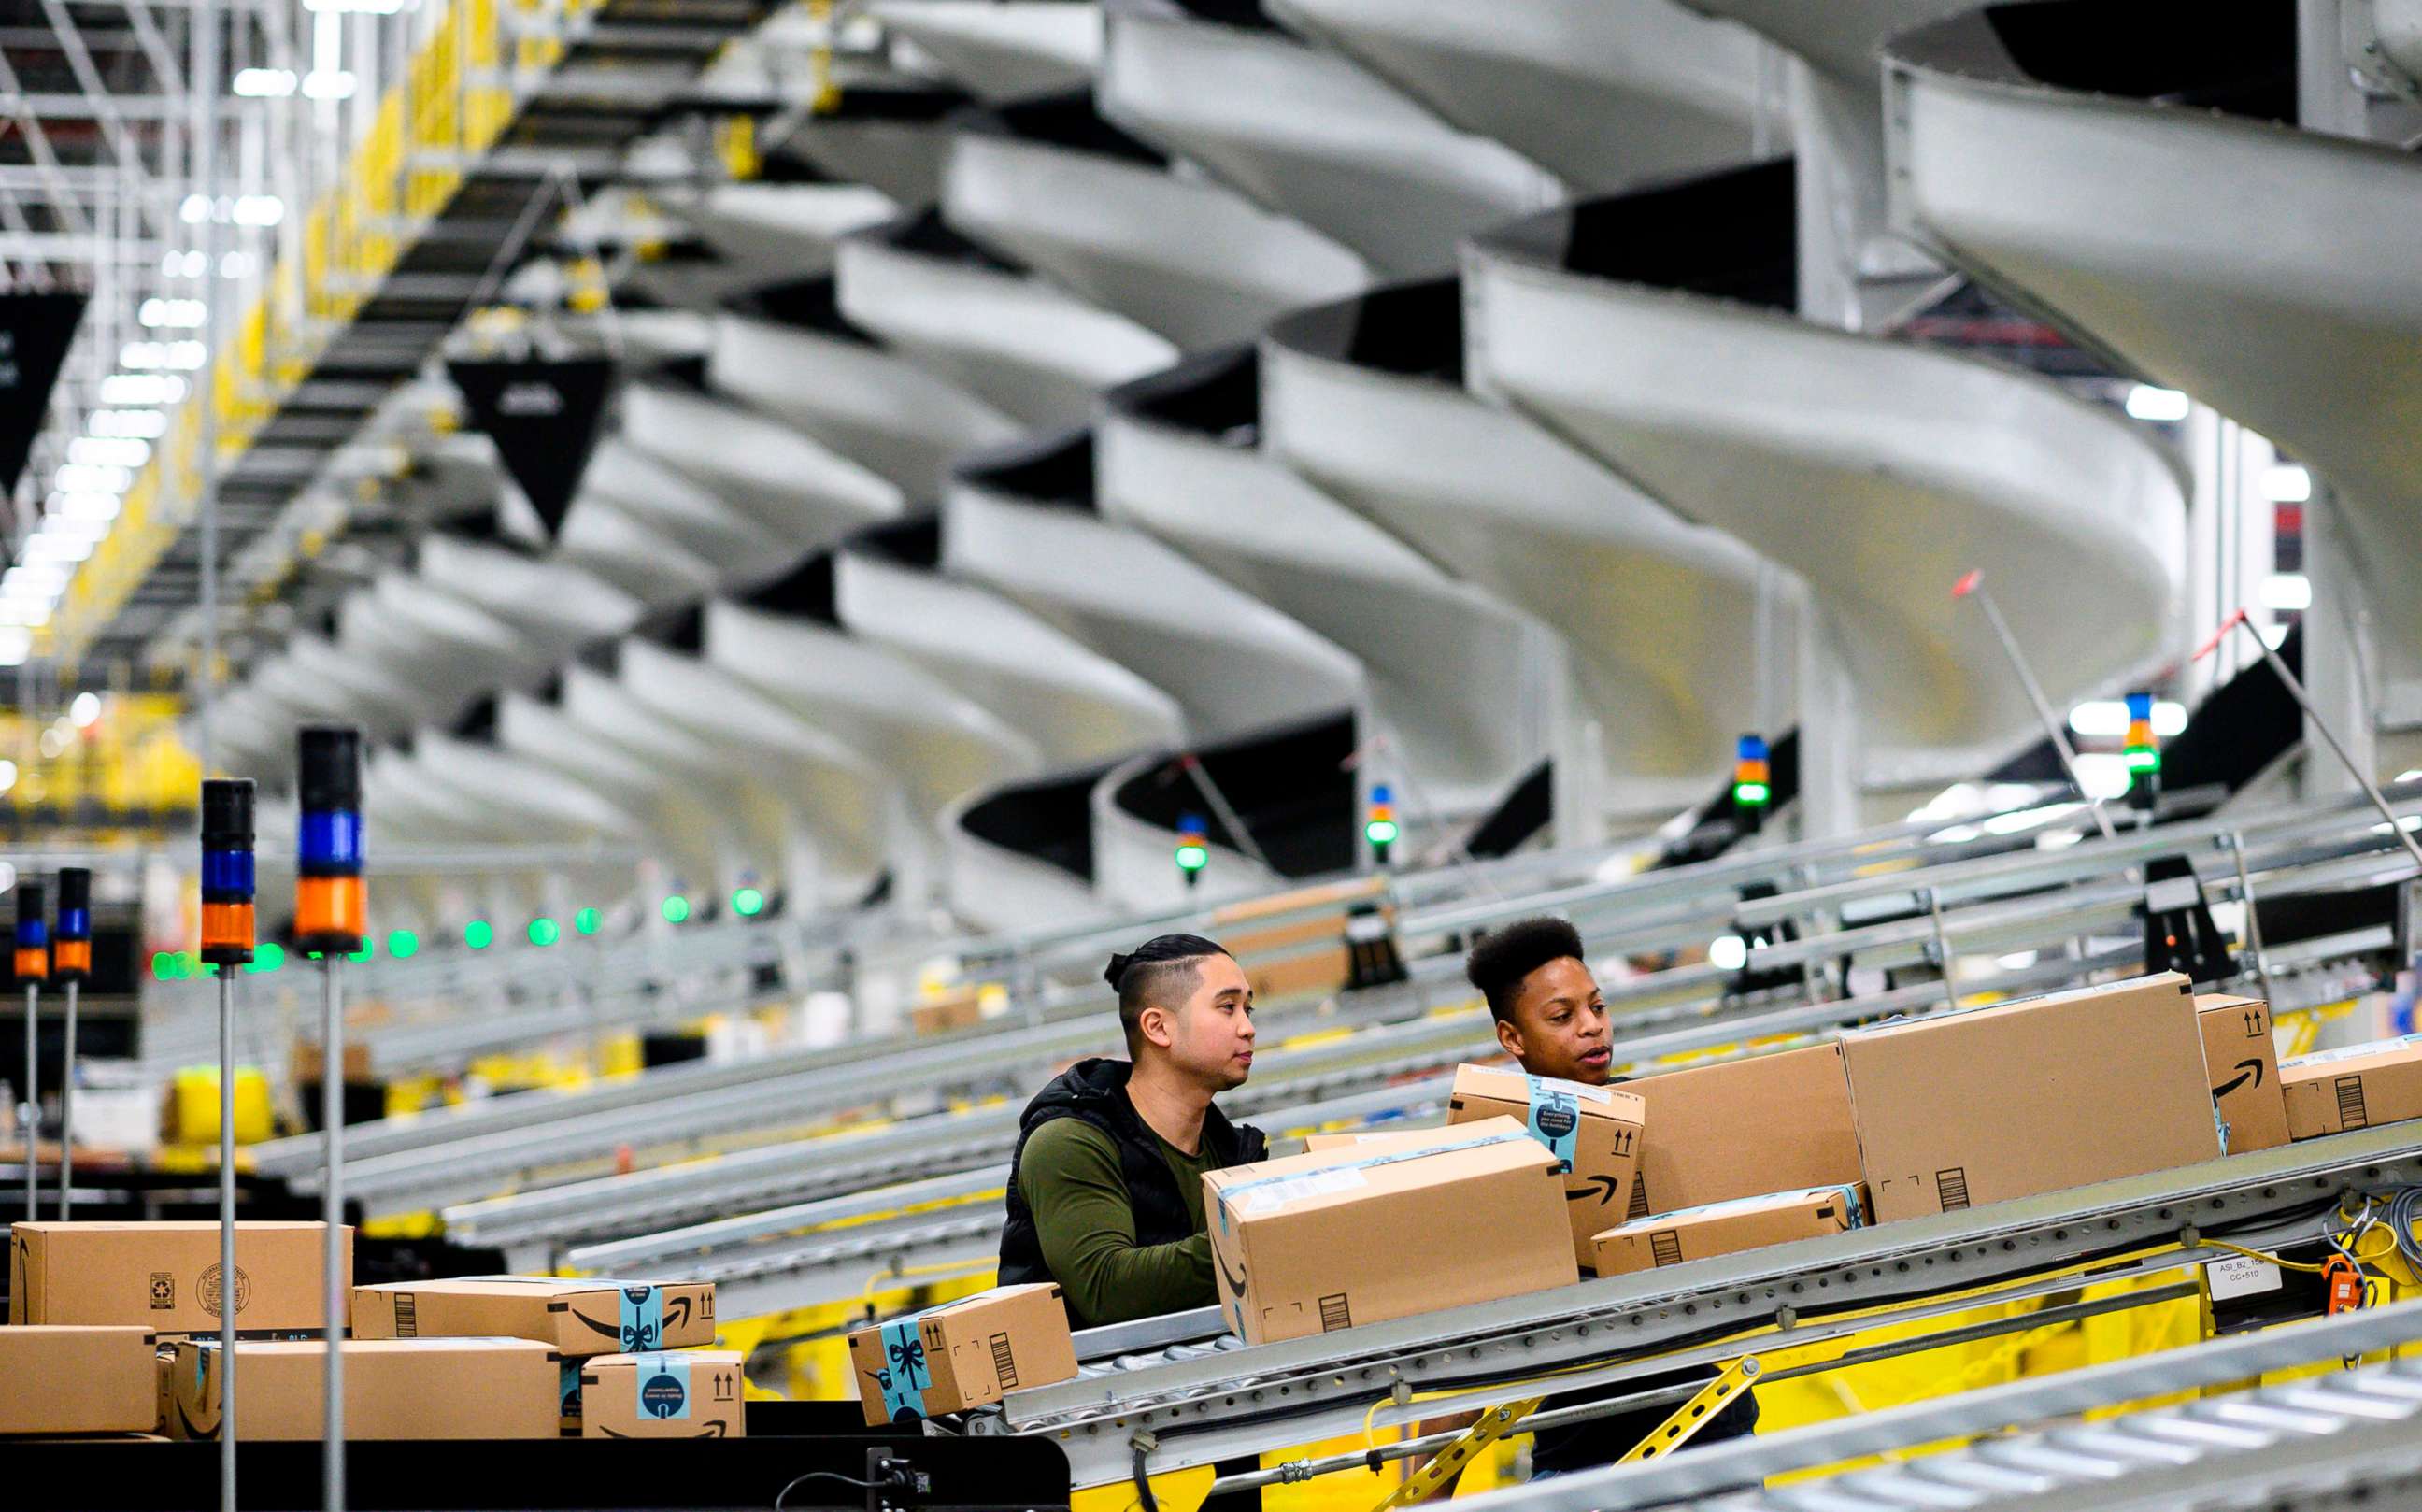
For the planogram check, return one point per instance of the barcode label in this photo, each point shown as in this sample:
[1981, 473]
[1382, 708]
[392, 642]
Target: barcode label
[1004, 1364]
[1298, 1189]
[1951, 1187]
[407, 1316]
[2351, 1113]
[1334, 1314]
[1639, 1207]
[1665, 1248]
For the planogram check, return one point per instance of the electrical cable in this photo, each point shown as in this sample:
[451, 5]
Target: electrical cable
[2404, 1210]
[820, 1475]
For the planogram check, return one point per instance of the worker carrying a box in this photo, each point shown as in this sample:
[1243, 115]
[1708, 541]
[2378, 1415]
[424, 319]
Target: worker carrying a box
[1106, 1188]
[1551, 1017]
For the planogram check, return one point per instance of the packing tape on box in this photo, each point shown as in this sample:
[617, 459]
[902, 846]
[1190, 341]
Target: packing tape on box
[664, 1387]
[1847, 1192]
[568, 1389]
[904, 1376]
[1277, 1191]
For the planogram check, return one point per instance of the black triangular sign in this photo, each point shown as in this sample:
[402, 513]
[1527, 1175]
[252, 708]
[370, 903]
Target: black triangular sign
[35, 330]
[543, 414]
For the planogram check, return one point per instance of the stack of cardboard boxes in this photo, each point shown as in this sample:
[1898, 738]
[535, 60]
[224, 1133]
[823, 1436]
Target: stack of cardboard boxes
[1890, 1121]
[114, 1329]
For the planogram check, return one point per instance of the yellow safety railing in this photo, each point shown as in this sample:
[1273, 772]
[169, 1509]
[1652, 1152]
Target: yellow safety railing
[430, 127]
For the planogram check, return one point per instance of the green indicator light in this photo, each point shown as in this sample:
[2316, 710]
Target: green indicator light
[478, 934]
[267, 956]
[1192, 858]
[2144, 758]
[367, 951]
[748, 903]
[676, 908]
[163, 966]
[402, 944]
[1751, 794]
[1382, 831]
[544, 932]
[587, 921]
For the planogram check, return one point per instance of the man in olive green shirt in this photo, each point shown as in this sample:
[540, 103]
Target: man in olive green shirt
[1106, 1189]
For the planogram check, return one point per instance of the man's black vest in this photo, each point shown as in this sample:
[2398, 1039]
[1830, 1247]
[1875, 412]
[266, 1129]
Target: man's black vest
[1097, 1092]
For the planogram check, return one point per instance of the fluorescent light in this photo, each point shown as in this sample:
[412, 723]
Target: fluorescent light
[141, 388]
[83, 710]
[177, 314]
[77, 527]
[194, 209]
[236, 265]
[142, 424]
[104, 451]
[2104, 776]
[2146, 403]
[327, 83]
[2109, 717]
[259, 210]
[32, 613]
[2288, 483]
[102, 507]
[45, 545]
[15, 646]
[361, 7]
[2287, 590]
[264, 84]
[82, 478]
[1728, 953]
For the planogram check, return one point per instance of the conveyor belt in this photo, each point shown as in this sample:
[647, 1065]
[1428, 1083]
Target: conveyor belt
[1253, 1400]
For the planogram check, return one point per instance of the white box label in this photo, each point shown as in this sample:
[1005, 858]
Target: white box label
[2240, 1275]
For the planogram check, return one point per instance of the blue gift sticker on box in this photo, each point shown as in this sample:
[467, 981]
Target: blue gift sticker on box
[664, 1387]
[643, 1318]
[904, 1376]
[1555, 1119]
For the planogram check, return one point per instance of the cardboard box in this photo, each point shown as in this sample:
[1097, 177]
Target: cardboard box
[1729, 1227]
[683, 1393]
[1361, 1138]
[1594, 1132]
[2243, 1058]
[67, 1379]
[577, 1317]
[164, 1360]
[1322, 1241]
[963, 1354]
[962, 1008]
[165, 1276]
[2353, 1088]
[394, 1389]
[1742, 1128]
[1989, 1104]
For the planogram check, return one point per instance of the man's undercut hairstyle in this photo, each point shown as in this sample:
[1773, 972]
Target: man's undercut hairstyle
[1162, 972]
[1504, 956]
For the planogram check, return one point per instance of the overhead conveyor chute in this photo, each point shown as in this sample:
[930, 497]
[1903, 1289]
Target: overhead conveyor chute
[789, 351]
[686, 825]
[786, 641]
[845, 807]
[1022, 519]
[1033, 352]
[1855, 272]
[884, 132]
[347, 689]
[771, 228]
[2136, 174]
[1053, 184]
[1603, 93]
[1450, 667]
[1021, 856]
[419, 634]
[1002, 49]
[634, 554]
[1077, 705]
[734, 541]
[1657, 617]
[795, 488]
[1656, 332]
[1309, 133]
[560, 607]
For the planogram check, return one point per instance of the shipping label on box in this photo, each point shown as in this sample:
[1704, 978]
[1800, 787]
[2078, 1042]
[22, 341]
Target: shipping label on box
[57, 1378]
[1728, 1227]
[1989, 1104]
[1741, 1128]
[2353, 1088]
[963, 1354]
[1324, 1240]
[2243, 1059]
[1594, 1132]
[165, 1276]
[680, 1393]
[578, 1316]
[394, 1389]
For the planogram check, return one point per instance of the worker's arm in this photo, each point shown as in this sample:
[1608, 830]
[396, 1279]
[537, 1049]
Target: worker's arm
[1069, 1176]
